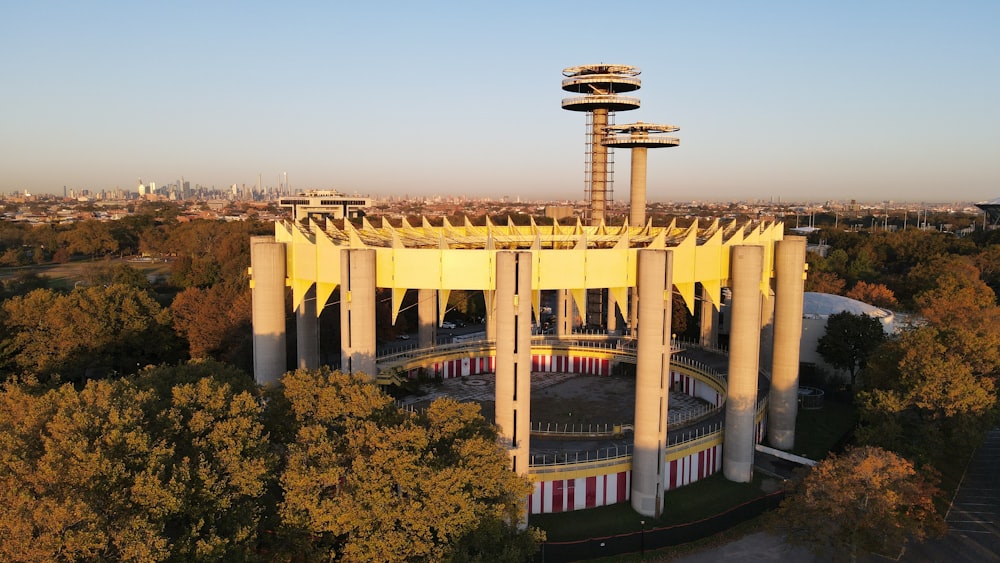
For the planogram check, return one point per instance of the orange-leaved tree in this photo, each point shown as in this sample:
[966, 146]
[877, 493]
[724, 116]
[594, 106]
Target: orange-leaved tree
[866, 500]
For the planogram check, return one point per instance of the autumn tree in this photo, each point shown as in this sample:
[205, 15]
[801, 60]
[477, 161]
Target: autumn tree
[876, 294]
[367, 481]
[988, 262]
[209, 252]
[169, 466]
[215, 321]
[90, 237]
[867, 500]
[849, 341]
[824, 282]
[101, 329]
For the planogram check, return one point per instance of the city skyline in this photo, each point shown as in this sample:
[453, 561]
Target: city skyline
[774, 100]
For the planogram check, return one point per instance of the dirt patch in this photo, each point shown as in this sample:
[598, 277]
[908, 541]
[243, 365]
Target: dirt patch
[586, 399]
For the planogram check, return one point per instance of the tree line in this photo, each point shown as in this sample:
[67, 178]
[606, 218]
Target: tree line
[131, 429]
[194, 462]
[925, 397]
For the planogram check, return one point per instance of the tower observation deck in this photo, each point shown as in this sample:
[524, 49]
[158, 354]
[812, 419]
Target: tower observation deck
[640, 137]
[601, 86]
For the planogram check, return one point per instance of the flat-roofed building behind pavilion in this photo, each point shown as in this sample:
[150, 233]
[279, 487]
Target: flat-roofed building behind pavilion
[328, 203]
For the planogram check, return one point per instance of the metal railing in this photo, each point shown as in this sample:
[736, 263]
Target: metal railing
[705, 433]
[580, 430]
[613, 453]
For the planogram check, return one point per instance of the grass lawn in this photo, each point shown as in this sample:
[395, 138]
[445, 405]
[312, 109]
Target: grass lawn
[696, 501]
[63, 277]
[817, 431]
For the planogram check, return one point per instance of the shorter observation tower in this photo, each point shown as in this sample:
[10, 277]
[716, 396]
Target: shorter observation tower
[639, 137]
[600, 85]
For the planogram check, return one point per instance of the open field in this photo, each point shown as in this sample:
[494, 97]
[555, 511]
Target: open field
[65, 276]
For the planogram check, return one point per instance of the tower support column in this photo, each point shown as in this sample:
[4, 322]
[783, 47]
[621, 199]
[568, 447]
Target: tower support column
[426, 317]
[744, 345]
[267, 279]
[709, 321]
[766, 330]
[789, 265]
[357, 311]
[652, 380]
[637, 187]
[598, 167]
[513, 355]
[612, 322]
[307, 331]
[564, 313]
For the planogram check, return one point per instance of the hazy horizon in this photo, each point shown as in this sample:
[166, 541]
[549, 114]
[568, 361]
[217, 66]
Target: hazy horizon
[802, 102]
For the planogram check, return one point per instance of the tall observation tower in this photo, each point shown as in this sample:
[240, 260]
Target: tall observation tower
[640, 137]
[600, 85]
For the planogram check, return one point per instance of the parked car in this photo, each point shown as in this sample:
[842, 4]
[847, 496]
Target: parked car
[447, 324]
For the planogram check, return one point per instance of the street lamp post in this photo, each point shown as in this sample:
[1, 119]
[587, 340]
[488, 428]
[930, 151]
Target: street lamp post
[642, 538]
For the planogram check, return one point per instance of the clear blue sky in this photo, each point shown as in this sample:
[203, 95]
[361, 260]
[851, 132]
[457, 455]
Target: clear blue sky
[870, 100]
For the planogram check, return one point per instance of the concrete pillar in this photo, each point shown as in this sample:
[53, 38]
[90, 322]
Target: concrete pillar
[307, 332]
[766, 330]
[489, 297]
[709, 321]
[633, 323]
[357, 311]
[427, 311]
[513, 355]
[744, 345]
[612, 322]
[564, 313]
[652, 380]
[267, 280]
[637, 188]
[789, 266]
[598, 168]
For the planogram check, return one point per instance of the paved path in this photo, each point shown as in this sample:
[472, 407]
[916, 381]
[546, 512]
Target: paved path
[974, 517]
[760, 546]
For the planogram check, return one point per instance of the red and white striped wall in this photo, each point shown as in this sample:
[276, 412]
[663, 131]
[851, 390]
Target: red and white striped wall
[690, 468]
[570, 364]
[695, 388]
[563, 495]
[460, 367]
[760, 429]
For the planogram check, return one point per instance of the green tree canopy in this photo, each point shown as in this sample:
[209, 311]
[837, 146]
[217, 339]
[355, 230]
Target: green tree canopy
[849, 341]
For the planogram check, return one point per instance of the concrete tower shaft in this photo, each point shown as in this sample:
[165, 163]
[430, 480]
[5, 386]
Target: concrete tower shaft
[600, 85]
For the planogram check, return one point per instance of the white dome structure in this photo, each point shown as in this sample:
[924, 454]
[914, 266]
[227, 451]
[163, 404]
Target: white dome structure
[817, 308]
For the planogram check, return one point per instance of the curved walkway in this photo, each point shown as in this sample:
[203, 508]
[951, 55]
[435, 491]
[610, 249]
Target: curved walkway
[565, 398]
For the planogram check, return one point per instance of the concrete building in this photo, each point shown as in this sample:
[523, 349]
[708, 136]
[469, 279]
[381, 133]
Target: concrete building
[319, 258]
[512, 266]
[325, 203]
